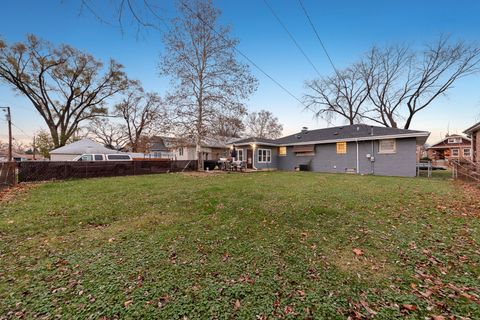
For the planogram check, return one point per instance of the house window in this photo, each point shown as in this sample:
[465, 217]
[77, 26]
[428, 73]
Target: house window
[264, 155]
[282, 151]
[180, 151]
[341, 147]
[240, 154]
[467, 152]
[455, 152]
[387, 146]
[454, 140]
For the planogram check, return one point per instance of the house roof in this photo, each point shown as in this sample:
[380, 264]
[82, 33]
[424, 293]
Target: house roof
[443, 144]
[251, 140]
[83, 146]
[4, 154]
[357, 132]
[167, 143]
[473, 128]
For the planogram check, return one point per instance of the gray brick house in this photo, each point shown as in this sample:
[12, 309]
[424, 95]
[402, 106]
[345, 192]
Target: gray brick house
[360, 148]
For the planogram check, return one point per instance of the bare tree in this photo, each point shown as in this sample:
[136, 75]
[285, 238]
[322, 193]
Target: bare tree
[388, 72]
[65, 85]
[439, 67]
[142, 14]
[343, 94]
[229, 124]
[111, 134]
[263, 124]
[144, 115]
[206, 75]
[405, 82]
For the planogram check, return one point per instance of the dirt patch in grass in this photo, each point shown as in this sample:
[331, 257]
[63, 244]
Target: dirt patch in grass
[362, 264]
[11, 193]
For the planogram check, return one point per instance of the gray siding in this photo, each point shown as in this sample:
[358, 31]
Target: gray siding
[326, 159]
[273, 164]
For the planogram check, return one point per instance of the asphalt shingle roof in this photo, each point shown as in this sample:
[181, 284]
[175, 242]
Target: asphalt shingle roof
[356, 131]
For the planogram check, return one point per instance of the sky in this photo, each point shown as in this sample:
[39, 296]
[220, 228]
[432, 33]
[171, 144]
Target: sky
[347, 28]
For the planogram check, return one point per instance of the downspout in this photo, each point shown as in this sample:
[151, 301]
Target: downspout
[253, 157]
[373, 154]
[358, 160]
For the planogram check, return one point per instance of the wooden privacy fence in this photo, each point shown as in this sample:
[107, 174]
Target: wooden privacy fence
[62, 170]
[7, 174]
[466, 170]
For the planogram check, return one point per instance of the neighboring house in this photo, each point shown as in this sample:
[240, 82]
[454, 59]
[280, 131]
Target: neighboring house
[184, 149]
[474, 133]
[451, 147]
[74, 149]
[360, 148]
[18, 156]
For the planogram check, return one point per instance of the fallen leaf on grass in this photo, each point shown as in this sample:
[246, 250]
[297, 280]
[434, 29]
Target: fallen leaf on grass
[358, 252]
[438, 318]
[237, 305]
[127, 303]
[225, 256]
[369, 310]
[409, 307]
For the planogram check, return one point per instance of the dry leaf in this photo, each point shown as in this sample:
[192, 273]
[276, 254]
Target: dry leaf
[127, 303]
[237, 305]
[357, 252]
[365, 305]
[409, 307]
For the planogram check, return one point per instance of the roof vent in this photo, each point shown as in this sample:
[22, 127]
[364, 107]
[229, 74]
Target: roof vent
[335, 133]
[304, 130]
[298, 136]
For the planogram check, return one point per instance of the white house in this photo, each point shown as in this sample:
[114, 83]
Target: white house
[72, 150]
[184, 149]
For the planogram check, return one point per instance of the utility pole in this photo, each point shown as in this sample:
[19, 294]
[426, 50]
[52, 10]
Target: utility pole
[9, 120]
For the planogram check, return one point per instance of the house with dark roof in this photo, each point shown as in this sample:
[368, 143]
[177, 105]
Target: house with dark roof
[360, 148]
[213, 148]
[451, 147]
[474, 133]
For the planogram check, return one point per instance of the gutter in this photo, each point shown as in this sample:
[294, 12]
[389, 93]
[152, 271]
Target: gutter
[358, 160]
[369, 138]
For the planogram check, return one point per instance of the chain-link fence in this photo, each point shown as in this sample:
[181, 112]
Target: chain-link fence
[61, 170]
[7, 174]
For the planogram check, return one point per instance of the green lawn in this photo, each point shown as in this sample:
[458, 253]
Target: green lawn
[260, 245]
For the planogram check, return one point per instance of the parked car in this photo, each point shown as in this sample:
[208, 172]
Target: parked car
[104, 157]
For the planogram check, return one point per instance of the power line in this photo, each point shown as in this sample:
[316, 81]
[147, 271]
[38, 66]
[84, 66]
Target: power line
[291, 36]
[318, 36]
[244, 55]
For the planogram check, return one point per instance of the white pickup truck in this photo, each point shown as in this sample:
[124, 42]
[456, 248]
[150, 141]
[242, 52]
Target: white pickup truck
[104, 157]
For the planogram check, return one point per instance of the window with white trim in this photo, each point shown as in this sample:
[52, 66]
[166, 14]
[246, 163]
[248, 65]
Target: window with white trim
[180, 151]
[454, 140]
[455, 152]
[264, 155]
[240, 155]
[387, 146]
[467, 152]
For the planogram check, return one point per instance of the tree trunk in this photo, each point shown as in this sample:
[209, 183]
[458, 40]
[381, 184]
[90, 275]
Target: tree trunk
[198, 148]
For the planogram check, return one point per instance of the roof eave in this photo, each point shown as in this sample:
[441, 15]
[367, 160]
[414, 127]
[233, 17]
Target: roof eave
[470, 130]
[421, 138]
